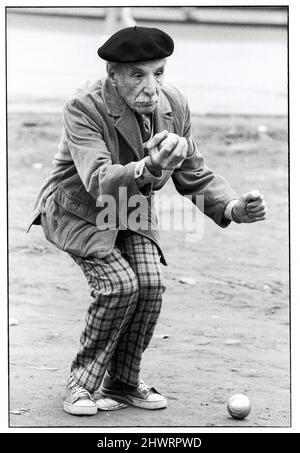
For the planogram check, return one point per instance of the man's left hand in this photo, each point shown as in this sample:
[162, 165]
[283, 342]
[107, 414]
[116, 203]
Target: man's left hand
[250, 208]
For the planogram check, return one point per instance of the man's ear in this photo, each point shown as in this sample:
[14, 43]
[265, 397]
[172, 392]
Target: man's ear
[112, 75]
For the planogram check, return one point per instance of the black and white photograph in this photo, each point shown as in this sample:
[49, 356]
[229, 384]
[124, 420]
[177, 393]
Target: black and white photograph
[148, 216]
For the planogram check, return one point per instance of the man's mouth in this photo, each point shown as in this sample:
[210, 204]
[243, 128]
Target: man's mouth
[145, 103]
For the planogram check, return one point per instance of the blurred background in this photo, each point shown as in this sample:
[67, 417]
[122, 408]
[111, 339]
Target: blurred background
[226, 59]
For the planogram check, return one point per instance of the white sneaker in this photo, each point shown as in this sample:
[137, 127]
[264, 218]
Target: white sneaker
[78, 401]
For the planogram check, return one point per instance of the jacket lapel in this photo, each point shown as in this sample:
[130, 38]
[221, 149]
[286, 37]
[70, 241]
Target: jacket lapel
[163, 117]
[124, 119]
[128, 127]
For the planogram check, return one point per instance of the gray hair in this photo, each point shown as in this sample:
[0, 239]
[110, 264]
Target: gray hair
[114, 67]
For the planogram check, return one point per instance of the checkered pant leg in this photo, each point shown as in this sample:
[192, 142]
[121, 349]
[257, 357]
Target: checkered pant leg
[114, 290]
[143, 258]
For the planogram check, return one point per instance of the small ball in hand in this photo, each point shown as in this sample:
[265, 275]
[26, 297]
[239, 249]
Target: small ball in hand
[171, 138]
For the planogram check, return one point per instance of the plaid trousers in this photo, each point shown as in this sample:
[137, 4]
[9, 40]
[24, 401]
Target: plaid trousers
[126, 289]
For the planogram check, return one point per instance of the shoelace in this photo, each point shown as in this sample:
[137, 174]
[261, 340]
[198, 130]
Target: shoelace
[143, 385]
[78, 391]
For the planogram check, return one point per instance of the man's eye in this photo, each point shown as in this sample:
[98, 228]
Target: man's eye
[137, 75]
[159, 73]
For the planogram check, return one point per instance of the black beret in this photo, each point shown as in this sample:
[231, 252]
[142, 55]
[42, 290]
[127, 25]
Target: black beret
[133, 44]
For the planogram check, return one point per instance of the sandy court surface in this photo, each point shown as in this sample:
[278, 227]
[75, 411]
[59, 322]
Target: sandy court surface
[228, 333]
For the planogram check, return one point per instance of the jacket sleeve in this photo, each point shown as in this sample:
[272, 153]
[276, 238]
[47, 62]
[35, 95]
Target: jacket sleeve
[92, 159]
[195, 178]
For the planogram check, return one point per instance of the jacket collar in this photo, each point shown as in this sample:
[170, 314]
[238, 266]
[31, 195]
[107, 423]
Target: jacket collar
[125, 120]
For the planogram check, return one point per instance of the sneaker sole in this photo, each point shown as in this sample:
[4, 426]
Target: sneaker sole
[79, 410]
[108, 404]
[136, 402]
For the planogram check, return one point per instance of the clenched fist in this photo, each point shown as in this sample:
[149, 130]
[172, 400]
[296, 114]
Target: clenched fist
[250, 208]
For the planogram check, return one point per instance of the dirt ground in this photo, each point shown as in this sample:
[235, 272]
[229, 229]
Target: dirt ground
[227, 334]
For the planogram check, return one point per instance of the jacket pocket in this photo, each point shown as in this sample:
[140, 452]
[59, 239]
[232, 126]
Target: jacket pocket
[55, 224]
[86, 210]
[74, 235]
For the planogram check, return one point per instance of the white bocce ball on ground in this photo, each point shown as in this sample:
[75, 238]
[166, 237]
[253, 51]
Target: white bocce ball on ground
[239, 406]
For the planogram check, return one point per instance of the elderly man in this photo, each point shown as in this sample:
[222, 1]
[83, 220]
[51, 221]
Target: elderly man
[128, 131]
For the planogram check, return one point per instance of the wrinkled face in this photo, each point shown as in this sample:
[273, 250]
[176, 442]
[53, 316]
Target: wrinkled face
[139, 84]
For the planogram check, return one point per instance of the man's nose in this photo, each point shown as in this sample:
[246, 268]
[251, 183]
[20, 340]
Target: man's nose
[150, 85]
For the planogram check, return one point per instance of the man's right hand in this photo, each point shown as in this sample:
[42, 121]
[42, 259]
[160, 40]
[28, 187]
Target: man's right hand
[166, 152]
